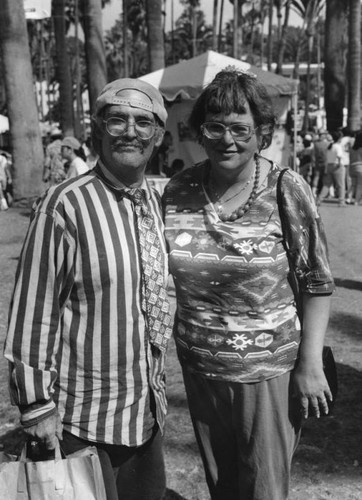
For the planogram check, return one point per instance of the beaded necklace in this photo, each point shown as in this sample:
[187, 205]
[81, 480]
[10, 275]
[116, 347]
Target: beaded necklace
[220, 200]
[239, 212]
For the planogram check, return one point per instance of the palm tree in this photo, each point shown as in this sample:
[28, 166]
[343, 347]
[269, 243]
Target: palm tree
[214, 26]
[156, 49]
[270, 35]
[354, 66]
[23, 115]
[63, 69]
[283, 37]
[137, 26]
[94, 48]
[237, 32]
[312, 10]
[334, 62]
[125, 39]
[263, 13]
[190, 36]
[220, 26]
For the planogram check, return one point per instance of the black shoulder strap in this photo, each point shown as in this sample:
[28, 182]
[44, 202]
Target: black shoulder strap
[284, 221]
[282, 216]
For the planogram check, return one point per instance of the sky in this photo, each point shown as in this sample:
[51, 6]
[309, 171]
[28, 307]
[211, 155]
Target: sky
[111, 12]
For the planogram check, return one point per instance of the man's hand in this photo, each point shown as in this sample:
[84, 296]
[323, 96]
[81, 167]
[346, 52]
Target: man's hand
[47, 431]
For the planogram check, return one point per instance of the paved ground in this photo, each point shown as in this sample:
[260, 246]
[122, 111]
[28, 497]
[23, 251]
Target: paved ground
[328, 463]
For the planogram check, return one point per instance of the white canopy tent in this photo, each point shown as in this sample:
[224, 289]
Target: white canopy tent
[180, 84]
[4, 124]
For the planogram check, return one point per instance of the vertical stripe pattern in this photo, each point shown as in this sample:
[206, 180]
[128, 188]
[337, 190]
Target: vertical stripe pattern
[77, 334]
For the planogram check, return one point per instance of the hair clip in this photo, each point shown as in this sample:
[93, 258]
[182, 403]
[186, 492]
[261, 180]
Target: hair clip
[233, 69]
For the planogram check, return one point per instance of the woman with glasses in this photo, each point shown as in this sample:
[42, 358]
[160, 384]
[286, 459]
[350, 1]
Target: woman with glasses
[251, 371]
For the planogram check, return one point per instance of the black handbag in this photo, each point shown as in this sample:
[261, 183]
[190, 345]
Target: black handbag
[329, 365]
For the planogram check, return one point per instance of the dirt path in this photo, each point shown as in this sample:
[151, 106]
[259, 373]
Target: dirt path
[328, 462]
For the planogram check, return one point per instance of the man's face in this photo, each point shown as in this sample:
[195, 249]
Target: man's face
[66, 152]
[126, 156]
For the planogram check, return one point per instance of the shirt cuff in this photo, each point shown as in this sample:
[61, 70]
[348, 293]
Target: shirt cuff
[33, 416]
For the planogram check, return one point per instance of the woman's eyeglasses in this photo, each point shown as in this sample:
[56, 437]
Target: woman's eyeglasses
[116, 127]
[239, 131]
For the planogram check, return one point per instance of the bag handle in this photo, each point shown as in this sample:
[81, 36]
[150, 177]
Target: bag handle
[24, 452]
[25, 463]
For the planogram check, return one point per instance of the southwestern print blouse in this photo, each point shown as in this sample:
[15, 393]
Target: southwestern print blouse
[236, 317]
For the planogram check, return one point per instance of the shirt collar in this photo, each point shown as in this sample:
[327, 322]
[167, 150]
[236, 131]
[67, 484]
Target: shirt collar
[114, 183]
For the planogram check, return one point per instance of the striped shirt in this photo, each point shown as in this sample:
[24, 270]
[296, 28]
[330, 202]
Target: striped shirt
[77, 337]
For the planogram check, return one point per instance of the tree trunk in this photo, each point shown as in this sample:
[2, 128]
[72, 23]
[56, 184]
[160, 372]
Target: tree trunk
[94, 49]
[25, 133]
[270, 35]
[283, 38]
[125, 40]
[334, 61]
[262, 42]
[307, 93]
[220, 25]
[354, 66]
[214, 26]
[236, 28]
[155, 36]
[63, 73]
[194, 30]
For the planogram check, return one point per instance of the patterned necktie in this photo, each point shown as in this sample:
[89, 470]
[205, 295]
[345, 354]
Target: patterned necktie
[154, 295]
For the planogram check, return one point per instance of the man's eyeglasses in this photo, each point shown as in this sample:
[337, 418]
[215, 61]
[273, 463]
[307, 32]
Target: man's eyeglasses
[116, 127]
[239, 131]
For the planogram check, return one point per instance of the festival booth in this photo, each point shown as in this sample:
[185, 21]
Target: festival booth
[180, 84]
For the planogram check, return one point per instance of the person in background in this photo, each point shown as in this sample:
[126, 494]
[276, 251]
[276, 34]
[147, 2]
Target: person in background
[307, 159]
[252, 369]
[73, 154]
[176, 166]
[159, 162]
[335, 171]
[3, 182]
[6, 181]
[89, 321]
[320, 157]
[346, 143]
[356, 170]
[296, 148]
[54, 170]
[91, 155]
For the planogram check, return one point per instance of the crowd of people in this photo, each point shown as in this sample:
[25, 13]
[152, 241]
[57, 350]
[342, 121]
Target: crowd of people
[331, 163]
[66, 157]
[90, 321]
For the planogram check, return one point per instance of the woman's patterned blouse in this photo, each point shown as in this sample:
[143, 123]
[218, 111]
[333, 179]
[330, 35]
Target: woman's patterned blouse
[236, 315]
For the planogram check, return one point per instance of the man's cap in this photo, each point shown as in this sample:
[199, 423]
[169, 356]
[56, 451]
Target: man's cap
[55, 132]
[109, 96]
[71, 142]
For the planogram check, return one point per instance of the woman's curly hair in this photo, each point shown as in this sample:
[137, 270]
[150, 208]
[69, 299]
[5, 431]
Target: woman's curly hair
[227, 93]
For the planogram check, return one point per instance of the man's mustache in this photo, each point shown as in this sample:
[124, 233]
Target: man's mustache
[121, 143]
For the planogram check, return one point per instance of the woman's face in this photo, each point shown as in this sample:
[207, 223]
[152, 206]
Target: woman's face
[228, 154]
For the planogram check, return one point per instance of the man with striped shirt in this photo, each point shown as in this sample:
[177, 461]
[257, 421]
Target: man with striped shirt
[88, 328]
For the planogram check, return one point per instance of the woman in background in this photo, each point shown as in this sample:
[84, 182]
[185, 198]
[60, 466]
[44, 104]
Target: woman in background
[335, 171]
[73, 153]
[355, 170]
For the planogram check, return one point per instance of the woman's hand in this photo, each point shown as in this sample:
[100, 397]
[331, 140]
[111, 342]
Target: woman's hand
[310, 386]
